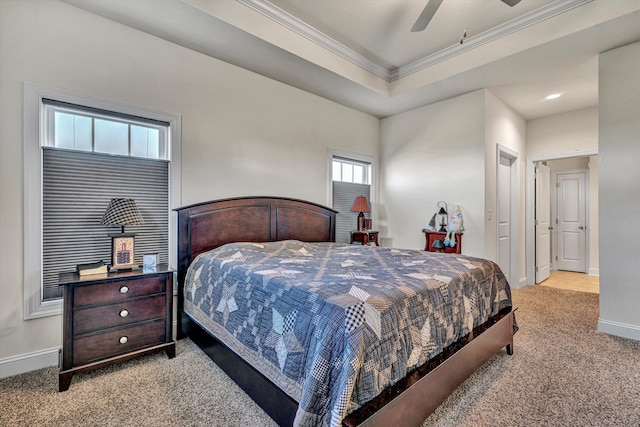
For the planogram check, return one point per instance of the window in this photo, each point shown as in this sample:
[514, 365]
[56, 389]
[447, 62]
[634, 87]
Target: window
[78, 180]
[78, 128]
[354, 171]
[350, 178]
[79, 153]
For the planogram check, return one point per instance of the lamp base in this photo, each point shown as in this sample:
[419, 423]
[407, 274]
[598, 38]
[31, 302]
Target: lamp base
[361, 222]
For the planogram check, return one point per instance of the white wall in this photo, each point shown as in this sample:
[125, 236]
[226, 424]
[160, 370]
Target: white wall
[561, 135]
[505, 127]
[429, 154]
[619, 105]
[447, 151]
[242, 134]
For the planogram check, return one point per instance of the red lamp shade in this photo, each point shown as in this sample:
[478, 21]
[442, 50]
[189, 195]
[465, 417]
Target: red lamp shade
[360, 204]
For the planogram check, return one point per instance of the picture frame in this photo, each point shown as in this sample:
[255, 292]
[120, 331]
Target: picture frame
[149, 262]
[123, 251]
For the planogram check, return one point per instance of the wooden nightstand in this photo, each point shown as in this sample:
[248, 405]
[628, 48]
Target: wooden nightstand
[431, 236]
[364, 237]
[114, 317]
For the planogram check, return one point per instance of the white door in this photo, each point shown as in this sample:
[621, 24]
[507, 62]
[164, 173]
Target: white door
[503, 214]
[543, 222]
[571, 221]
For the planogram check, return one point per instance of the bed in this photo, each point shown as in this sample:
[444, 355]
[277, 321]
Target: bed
[250, 236]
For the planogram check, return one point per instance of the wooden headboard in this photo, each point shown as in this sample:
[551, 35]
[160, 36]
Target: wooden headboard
[205, 226]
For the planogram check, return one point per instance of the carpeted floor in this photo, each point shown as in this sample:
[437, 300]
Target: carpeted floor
[562, 373]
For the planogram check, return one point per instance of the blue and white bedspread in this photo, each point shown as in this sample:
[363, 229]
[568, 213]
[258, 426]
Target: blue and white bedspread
[333, 325]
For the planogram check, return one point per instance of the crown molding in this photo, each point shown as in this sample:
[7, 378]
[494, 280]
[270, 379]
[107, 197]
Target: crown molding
[300, 27]
[495, 33]
[307, 31]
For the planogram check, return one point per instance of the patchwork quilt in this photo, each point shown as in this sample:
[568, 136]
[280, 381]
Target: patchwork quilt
[332, 324]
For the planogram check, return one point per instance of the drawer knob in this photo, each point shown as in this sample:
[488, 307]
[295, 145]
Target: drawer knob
[123, 340]
[124, 290]
[124, 313]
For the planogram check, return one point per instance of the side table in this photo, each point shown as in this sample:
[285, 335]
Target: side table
[110, 318]
[431, 236]
[364, 237]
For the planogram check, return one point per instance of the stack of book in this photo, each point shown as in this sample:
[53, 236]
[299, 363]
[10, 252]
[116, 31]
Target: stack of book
[99, 267]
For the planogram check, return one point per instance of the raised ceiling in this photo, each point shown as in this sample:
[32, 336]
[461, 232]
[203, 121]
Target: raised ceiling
[361, 53]
[380, 30]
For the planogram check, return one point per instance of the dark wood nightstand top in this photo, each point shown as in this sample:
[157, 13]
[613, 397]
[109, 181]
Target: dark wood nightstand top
[74, 278]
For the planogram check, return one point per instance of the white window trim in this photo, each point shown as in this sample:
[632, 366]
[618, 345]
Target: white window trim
[33, 134]
[49, 120]
[360, 157]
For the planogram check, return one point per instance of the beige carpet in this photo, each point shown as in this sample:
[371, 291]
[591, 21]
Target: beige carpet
[563, 373]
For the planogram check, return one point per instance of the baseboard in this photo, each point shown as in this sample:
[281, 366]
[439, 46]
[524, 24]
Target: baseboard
[619, 329]
[28, 362]
[521, 283]
[594, 272]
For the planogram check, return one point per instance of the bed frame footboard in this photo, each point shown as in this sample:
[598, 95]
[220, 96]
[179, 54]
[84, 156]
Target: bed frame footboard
[419, 400]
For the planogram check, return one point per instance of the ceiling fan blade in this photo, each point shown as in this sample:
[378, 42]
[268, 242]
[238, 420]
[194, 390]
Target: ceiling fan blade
[511, 2]
[426, 15]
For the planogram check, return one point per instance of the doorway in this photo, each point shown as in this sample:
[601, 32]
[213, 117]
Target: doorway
[572, 241]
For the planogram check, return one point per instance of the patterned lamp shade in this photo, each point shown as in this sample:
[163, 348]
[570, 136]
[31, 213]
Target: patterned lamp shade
[122, 212]
[360, 204]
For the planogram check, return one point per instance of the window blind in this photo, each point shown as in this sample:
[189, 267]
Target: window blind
[77, 188]
[344, 193]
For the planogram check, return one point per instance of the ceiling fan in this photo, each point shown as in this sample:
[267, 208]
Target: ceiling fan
[431, 8]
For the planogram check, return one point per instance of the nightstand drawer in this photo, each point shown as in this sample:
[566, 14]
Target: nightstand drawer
[108, 344]
[122, 313]
[118, 290]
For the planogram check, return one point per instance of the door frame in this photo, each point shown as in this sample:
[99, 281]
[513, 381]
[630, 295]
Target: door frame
[530, 261]
[502, 151]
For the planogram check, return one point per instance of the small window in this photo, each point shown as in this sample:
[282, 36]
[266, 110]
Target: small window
[354, 171]
[80, 128]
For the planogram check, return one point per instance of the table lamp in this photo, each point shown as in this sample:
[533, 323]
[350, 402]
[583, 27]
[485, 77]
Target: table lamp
[360, 204]
[122, 212]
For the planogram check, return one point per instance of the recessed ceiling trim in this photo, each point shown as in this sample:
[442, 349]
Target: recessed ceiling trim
[294, 24]
[298, 26]
[502, 30]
